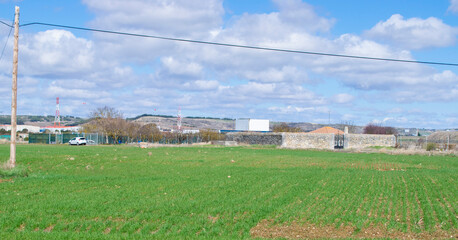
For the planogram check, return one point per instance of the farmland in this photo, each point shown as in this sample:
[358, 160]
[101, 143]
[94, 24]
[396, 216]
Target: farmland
[209, 192]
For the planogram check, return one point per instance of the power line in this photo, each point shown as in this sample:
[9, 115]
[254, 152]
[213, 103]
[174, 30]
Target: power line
[6, 24]
[241, 46]
[6, 42]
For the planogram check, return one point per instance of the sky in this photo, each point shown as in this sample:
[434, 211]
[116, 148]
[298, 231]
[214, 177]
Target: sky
[88, 70]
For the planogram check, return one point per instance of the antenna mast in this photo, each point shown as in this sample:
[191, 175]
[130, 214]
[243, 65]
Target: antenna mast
[179, 120]
[57, 117]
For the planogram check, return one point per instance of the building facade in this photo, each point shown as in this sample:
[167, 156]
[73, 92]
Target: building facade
[255, 125]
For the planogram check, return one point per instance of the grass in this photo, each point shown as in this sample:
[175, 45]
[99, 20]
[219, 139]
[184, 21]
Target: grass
[107, 192]
[6, 171]
[383, 147]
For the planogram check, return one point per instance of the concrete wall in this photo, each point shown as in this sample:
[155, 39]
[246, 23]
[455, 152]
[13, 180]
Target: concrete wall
[255, 138]
[308, 140]
[368, 140]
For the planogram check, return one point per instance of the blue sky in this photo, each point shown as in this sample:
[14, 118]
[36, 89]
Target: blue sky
[140, 76]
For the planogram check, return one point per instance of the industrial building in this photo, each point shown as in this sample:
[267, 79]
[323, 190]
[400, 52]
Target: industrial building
[61, 128]
[254, 125]
[37, 129]
[20, 128]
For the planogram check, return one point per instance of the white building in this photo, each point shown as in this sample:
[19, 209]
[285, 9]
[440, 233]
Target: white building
[248, 124]
[20, 128]
[61, 128]
[190, 131]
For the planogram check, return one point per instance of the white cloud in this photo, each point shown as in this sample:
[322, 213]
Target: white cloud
[299, 13]
[55, 52]
[201, 85]
[391, 121]
[439, 87]
[172, 18]
[453, 6]
[176, 18]
[343, 98]
[414, 33]
[285, 74]
[349, 117]
[57, 63]
[136, 75]
[75, 93]
[396, 110]
[290, 109]
[83, 84]
[181, 68]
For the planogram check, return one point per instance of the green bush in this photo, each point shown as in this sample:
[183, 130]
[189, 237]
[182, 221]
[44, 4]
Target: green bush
[18, 171]
[430, 147]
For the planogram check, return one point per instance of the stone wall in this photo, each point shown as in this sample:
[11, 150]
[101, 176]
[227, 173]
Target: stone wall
[308, 140]
[311, 140]
[368, 140]
[255, 138]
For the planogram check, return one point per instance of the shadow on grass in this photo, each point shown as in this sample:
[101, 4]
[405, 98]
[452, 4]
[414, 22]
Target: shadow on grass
[7, 172]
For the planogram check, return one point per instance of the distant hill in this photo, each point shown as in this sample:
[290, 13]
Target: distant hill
[191, 122]
[163, 121]
[41, 121]
[169, 122]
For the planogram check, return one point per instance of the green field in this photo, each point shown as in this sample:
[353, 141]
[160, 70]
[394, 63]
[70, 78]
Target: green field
[106, 192]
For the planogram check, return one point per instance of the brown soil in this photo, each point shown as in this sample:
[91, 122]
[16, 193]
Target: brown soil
[5, 180]
[265, 229]
[401, 151]
[49, 228]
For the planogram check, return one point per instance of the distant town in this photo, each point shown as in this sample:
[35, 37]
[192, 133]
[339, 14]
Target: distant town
[190, 124]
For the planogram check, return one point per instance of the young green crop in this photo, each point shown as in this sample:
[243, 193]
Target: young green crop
[220, 192]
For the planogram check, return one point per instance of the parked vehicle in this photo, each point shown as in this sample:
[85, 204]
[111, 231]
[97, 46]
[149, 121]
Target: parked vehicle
[78, 141]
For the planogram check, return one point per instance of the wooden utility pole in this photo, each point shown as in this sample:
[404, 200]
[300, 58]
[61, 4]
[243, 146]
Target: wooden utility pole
[12, 161]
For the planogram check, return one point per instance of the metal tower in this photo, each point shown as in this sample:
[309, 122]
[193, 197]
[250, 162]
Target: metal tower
[179, 120]
[57, 117]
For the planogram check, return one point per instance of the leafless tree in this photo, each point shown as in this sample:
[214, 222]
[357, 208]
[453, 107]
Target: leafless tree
[108, 121]
[150, 132]
[208, 135]
[283, 127]
[352, 128]
[376, 129]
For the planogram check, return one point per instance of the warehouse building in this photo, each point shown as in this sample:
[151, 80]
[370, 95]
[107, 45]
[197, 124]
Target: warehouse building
[20, 128]
[254, 125]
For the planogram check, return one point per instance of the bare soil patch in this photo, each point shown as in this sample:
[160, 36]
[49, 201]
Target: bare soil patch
[158, 145]
[6, 180]
[402, 151]
[294, 230]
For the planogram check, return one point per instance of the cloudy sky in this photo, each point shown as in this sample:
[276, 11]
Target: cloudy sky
[143, 75]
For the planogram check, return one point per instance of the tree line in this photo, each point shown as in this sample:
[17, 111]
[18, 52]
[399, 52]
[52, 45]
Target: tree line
[111, 123]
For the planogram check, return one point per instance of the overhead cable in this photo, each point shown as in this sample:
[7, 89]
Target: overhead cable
[241, 46]
[6, 24]
[6, 42]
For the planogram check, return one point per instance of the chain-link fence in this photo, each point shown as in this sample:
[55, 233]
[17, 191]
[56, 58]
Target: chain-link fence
[444, 142]
[52, 138]
[96, 138]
